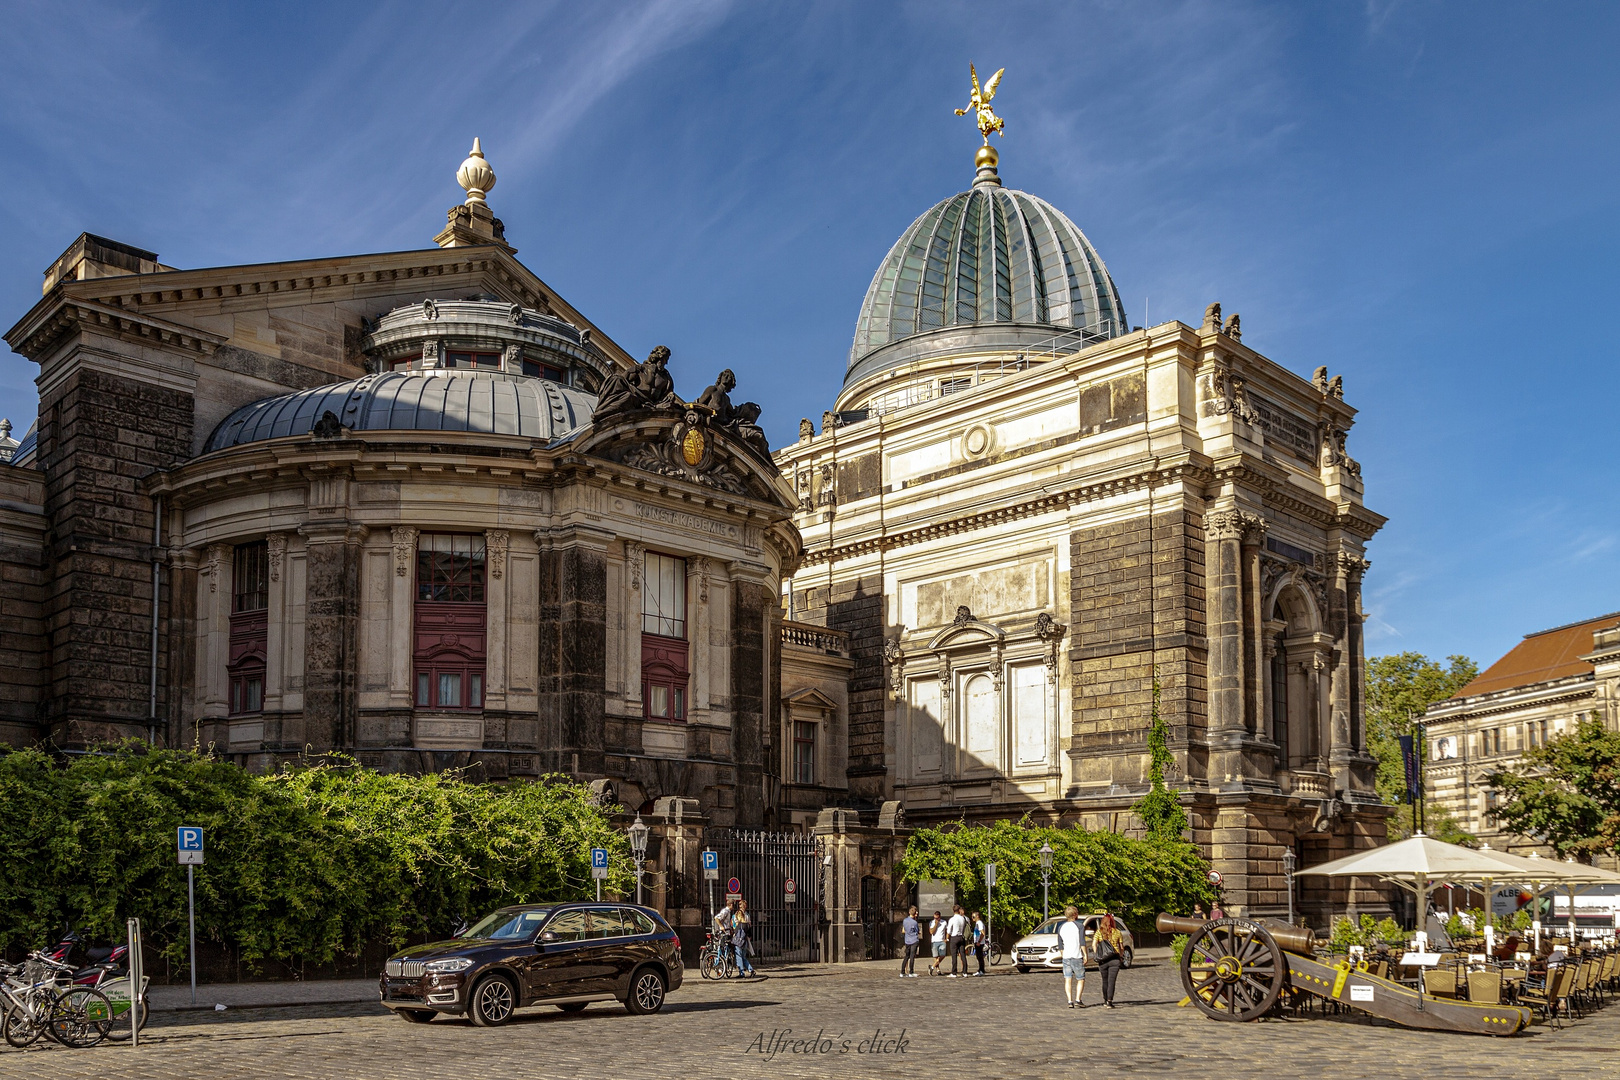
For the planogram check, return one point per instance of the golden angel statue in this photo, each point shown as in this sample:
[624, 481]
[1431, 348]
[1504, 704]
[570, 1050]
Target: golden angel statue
[979, 103]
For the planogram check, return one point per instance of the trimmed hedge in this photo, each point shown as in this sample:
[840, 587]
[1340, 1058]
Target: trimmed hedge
[1095, 871]
[303, 866]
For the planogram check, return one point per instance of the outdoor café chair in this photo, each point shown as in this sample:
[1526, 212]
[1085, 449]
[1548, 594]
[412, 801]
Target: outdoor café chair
[1485, 987]
[1548, 997]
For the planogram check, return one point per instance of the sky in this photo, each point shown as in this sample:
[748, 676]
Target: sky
[1419, 195]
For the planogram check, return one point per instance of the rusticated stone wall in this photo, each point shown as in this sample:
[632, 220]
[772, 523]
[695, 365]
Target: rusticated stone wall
[749, 666]
[573, 657]
[856, 607]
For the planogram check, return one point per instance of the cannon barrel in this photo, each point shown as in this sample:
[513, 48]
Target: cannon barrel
[1295, 939]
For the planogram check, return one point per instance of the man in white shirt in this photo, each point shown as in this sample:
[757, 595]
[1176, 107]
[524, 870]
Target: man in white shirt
[939, 937]
[1073, 940]
[957, 928]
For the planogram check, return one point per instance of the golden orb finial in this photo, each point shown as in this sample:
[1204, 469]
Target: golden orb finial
[475, 176]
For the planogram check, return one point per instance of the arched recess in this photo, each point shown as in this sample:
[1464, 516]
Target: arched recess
[1297, 669]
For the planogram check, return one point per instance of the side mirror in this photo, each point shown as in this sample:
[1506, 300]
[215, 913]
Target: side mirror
[546, 938]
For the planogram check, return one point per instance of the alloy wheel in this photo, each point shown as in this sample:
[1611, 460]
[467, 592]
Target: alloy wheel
[495, 1001]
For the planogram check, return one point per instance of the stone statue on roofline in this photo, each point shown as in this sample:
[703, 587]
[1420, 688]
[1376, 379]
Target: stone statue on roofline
[646, 386]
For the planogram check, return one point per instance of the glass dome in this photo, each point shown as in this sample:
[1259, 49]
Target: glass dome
[988, 257]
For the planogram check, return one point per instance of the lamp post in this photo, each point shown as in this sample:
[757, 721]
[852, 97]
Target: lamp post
[1046, 879]
[1288, 876]
[638, 847]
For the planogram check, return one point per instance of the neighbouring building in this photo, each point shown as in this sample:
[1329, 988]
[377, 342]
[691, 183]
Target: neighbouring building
[1544, 686]
[1023, 510]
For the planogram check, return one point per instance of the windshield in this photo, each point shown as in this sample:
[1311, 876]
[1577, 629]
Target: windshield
[509, 925]
[1050, 926]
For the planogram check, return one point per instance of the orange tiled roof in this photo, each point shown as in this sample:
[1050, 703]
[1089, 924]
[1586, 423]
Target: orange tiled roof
[1542, 657]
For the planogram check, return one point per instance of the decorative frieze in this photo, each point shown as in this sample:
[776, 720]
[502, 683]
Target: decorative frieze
[495, 552]
[895, 657]
[403, 538]
[277, 543]
[635, 558]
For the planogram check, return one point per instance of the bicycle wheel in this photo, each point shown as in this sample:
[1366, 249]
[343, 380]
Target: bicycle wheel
[80, 1017]
[21, 1030]
[713, 965]
[995, 954]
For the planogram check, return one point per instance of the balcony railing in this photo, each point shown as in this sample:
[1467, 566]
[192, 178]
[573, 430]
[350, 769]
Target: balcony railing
[819, 638]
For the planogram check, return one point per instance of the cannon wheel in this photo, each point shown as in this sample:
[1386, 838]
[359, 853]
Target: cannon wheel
[1233, 970]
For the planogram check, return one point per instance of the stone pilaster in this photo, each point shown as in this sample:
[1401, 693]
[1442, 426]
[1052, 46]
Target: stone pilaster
[495, 619]
[750, 659]
[572, 688]
[331, 634]
[402, 616]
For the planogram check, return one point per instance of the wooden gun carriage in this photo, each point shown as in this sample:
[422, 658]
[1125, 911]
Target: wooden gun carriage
[1237, 969]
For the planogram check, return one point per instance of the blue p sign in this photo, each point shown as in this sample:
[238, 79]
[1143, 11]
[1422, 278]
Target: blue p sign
[598, 858]
[189, 844]
[711, 860]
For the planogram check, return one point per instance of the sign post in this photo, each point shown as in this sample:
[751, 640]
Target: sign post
[189, 849]
[711, 874]
[989, 897]
[599, 867]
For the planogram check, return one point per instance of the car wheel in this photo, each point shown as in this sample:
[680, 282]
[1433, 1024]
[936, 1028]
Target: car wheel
[493, 1002]
[416, 1016]
[1022, 970]
[1128, 958]
[646, 993]
[573, 1006]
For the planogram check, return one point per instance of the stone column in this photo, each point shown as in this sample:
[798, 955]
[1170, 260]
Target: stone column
[495, 619]
[841, 884]
[1223, 564]
[1355, 567]
[750, 667]
[215, 606]
[635, 565]
[699, 620]
[1254, 649]
[402, 618]
[572, 633]
[275, 659]
[185, 632]
[331, 634]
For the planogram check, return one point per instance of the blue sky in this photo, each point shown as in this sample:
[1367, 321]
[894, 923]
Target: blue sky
[1420, 196]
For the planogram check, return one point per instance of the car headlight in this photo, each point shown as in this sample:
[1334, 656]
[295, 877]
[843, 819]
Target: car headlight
[459, 964]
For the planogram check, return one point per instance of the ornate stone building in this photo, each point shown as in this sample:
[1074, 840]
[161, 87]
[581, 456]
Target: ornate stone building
[1542, 688]
[413, 507]
[1020, 508]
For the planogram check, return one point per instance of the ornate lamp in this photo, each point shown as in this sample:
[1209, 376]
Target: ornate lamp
[638, 846]
[1288, 876]
[1046, 878]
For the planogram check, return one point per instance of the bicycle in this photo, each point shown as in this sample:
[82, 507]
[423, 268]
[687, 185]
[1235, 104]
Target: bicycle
[714, 959]
[78, 1016]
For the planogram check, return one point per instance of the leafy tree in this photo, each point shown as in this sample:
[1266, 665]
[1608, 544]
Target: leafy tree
[1400, 688]
[1095, 871]
[1565, 793]
[1160, 809]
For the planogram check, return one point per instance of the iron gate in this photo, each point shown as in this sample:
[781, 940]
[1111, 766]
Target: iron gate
[763, 862]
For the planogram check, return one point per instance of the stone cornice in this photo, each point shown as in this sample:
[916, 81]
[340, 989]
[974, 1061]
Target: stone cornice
[1513, 699]
[34, 336]
[307, 281]
[1043, 504]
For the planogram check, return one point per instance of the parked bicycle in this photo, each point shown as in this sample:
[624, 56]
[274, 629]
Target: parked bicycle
[36, 1004]
[105, 969]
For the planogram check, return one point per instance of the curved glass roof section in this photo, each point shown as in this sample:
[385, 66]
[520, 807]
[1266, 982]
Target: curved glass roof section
[488, 402]
[989, 256]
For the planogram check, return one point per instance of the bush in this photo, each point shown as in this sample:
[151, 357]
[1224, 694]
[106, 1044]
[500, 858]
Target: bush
[1366, 932]
[1178, 945]
[302, 866]
[1095, 871]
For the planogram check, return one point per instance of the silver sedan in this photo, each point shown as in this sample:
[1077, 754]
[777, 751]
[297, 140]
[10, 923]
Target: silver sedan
[1040, 949]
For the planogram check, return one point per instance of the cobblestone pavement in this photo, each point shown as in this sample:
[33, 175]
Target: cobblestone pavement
[1005, 1026]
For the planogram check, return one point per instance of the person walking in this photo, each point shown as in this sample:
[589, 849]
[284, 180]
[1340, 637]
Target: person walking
[1073, 941]
[981, 943]
[939, 938]
[957, 938]
[913, 939]
[740, 922]
[1109, 947]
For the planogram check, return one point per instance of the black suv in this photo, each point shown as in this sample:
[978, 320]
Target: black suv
[567, 955]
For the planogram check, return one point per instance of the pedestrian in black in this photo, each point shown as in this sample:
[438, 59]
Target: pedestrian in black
[957, 939]
[981, 943]
[1109, 947]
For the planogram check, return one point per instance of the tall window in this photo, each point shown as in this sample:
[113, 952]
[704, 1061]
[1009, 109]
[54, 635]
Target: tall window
[250, 626]
[664, 675]
[450, 621]
[804, 752]
[1279, 698]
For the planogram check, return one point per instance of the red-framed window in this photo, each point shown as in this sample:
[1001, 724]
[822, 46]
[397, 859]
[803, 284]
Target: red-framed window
[664, 653]
[450, 632]
[250, 627]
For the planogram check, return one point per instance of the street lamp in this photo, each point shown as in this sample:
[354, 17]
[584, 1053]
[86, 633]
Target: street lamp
[1288, 876]
[638, 846]
[1046, 879]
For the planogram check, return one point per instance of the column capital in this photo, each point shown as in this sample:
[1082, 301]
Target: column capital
[1350, 565]
[1234, 525]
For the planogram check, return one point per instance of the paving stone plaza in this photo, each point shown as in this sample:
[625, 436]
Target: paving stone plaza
[1004, 1026]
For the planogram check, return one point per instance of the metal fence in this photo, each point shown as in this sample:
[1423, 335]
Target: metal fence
[783, 930]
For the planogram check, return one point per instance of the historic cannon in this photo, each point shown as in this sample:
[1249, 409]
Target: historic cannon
[1237, 969]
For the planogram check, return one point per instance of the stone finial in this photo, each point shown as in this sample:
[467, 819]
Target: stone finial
[475, 176]
[1212, 318]
[5, 429]
[1234, 327]
[807, 430]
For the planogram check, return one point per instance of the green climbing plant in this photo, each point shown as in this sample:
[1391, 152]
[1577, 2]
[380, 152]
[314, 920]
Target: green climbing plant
[1160, 809]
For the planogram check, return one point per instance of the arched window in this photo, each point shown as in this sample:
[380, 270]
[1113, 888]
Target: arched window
[250, 626]
[664, 653]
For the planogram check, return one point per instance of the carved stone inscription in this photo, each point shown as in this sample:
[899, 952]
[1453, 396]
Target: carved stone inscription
[1286, 430]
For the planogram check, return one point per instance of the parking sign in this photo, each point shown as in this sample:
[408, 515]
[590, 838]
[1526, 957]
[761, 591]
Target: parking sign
[711, 866]
[599, 862]
[189, 845]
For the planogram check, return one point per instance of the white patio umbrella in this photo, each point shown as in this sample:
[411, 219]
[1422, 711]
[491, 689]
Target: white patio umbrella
[1418, 863]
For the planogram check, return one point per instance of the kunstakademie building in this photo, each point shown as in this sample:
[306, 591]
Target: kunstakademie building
[417, 508]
